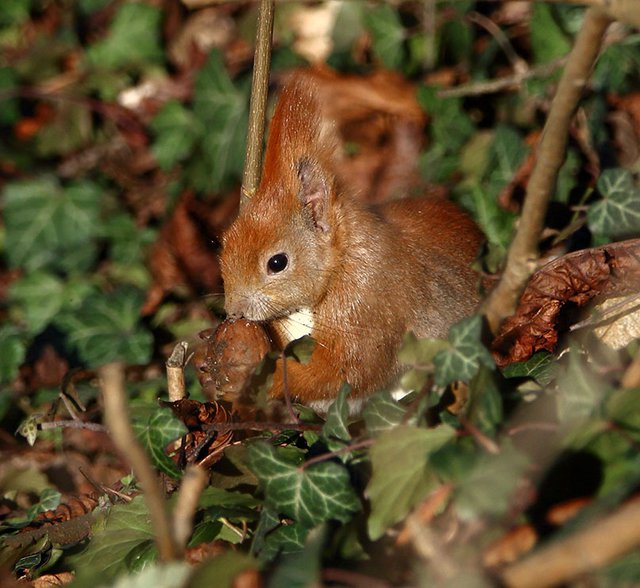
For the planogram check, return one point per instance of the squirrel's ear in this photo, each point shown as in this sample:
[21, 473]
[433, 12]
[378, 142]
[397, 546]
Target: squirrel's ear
[315, 192]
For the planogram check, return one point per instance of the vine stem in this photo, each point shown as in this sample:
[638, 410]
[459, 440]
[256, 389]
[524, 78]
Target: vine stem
[116, 416]
[523, 252]
[258, 104]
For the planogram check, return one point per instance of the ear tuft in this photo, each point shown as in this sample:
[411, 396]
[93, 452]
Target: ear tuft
[315, 192]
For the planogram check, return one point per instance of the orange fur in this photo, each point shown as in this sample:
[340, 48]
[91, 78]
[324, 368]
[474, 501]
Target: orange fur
[368, 274]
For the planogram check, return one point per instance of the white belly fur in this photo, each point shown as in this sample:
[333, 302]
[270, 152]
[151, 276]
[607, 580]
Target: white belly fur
[296, 325]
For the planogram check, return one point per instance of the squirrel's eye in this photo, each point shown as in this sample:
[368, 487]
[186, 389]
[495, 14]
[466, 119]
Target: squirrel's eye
[277, 263]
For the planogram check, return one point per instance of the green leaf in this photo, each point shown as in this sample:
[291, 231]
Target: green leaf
[381, 413]
[488, 488]
[12, 351]
[462, 360]
[540, 366]
[450, 125]
[618, 213]
[39, 297]
[46, 222]
[177, 131]
[301, 349]
[616, 68]
[133, 39]
[221, 109]
[126, 527]
[128, 240]
[106, 328]
[401, 474]
[335, 430]
[387, 33]
[49, 499]
[160, 429]
[302, 569]
[484, 407]
[506, 153]
[548, 40]
[580, 389]
[496, 222]
[222, 570]
[312, 495]
[9, 111]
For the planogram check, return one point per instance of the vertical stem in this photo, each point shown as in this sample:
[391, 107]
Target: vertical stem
[523, 251]
[258, 104]
[116, 416]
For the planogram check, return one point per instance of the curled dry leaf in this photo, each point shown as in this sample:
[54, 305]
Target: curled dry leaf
[228, 358]
[569, 281]
[203, 441]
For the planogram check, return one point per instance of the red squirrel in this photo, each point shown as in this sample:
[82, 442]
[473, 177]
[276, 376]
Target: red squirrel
[303, 257]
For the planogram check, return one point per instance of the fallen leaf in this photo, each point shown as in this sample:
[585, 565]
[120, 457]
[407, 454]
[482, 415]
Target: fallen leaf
[567, 282]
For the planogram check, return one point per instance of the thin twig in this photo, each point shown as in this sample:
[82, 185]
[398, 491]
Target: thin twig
[258, 104]
[519, 64]
[175, 364]
[261, 426]
[331, 454]
[523, 251]
[71, 425]
[194, 481]
[500, 84]
[560, 562]
[116, 417]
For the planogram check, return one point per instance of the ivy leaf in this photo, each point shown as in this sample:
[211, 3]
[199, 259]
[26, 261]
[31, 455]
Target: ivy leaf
[46, 222]
[484, 407]
[548, 40]
[382, 413]
[12, 351]
[302, 568]
[128, 241]
[106, 328]
[49, 499]
[176, 130]
[540, 367]
[451, 127]
[618, 213]
[221, 107]
[222, 570]
[335, 430]
[401, 475]
[495, 222]
[123, 530]
[10, 112]
[388, 34]
[489, 486]
[160, 429]
[311, 495]
[39, 297]
[133, 39]
[580, 389]
[462, 360]
[506, 153]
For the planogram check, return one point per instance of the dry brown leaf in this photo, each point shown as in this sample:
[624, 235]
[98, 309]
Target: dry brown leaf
[203, 441]
[567, 282]
[378, 118]
[185, 254]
